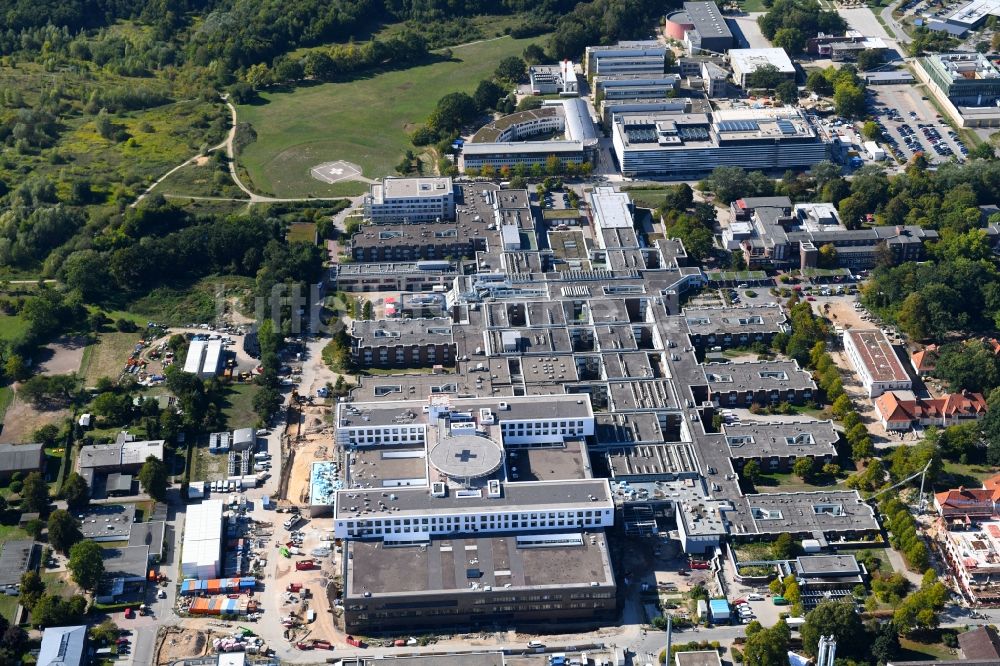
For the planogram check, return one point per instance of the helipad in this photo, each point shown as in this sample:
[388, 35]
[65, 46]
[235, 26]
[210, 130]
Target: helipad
[466, 456]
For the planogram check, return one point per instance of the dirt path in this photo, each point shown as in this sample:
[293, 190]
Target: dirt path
[227, 145]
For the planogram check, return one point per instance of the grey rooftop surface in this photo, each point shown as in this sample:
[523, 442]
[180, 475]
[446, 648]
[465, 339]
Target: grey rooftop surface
[729, 320]
[527, 496]
[464, 456]
[755, 439]
[15, 558]
[825, 511]
[410, 412]
[628, 428]
[702, 657]
[757, 375]
[19, 457]
[442, 565]
[646, 460]
[392, 332]
[827, 565]
[107, 520]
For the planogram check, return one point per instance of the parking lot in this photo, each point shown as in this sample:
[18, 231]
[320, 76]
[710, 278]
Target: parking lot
[911, 124]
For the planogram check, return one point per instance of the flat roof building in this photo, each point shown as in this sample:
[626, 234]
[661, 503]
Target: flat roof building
[640, 57]
[779, 445]
[410, 200]
[107, 522]
[666, 143]
[17, 558]
[747, 61]
[701, 27]
[201, 554]
[552, 79]
[875, 361]
[819, 515]
[471, 579]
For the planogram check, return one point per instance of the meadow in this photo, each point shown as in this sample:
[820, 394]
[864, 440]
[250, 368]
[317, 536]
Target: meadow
[367, 121]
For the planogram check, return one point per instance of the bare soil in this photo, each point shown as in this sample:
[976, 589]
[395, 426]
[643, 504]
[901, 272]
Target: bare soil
[62, 356]
[22, 419]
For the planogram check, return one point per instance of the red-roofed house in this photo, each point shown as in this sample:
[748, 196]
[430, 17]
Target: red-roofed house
[925, 360]
[902, 411]
[965, 504]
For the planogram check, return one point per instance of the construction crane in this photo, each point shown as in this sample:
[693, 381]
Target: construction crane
[923, 478]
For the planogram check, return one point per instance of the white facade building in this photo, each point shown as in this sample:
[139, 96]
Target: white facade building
[201, 555]
[875, 361]
[204, 358]
[410, 200]
[417, 514]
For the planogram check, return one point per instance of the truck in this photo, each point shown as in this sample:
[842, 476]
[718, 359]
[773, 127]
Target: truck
[351, 640]
[305, 565]
[292, 522]
[294, 587]
[304, 646]
[322, 645]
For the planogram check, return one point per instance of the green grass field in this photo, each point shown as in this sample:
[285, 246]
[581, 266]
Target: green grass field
[366, 122]
[205, 180]
[238, 406]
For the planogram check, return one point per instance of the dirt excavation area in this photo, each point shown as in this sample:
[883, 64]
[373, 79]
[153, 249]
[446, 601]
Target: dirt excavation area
[177, 643]
[311, 440]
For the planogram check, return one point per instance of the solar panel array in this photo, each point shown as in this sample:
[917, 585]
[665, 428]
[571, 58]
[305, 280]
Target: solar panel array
[738, 126]
[640, 134]
[786, 126]
[693, 133]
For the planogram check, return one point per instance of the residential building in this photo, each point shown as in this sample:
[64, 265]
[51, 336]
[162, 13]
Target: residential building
[410, 200]
[728, 327]
[669, 143]
[747, 61]
[980, 643]
[875, 361]
[124, 578]
[126, 455]
[902, 410]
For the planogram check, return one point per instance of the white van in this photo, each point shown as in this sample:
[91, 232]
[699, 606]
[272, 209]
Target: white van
[535, 644]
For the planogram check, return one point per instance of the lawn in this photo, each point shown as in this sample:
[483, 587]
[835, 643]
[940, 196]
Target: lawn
[366, 122]
[301, 231]
[202, 180]
[916, 651]
[238, 405]
[6, 397]
[783, 483]
[59, 582]
[648, 197]
[12, 326]
[955, 474]
[8, 606]
[879, 554]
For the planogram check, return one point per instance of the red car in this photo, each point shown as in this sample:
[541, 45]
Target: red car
[129, 613]
[810, 298]
[737, 602]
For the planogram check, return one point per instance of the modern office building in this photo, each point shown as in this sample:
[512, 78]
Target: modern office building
[875, 361]
[846, 47]
[772, 233]
[681, 144]
[642, 57]
[745, 62]
[564, 129]
[965, 85]
[701, 27]
[410, 200]
[553, 79]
